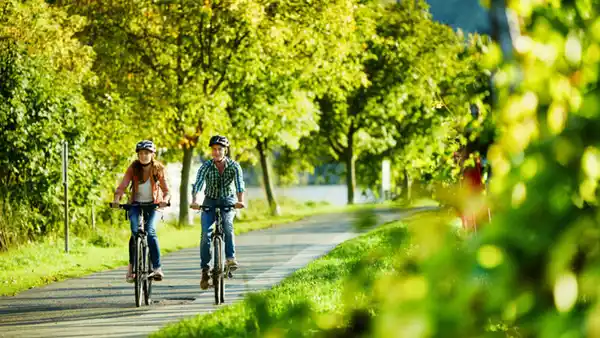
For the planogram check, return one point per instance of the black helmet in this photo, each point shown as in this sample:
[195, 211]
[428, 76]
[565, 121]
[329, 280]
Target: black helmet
[145, 145]
[218, 139]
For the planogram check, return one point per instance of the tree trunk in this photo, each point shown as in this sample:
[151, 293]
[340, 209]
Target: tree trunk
[350, 176]
[266, 169]
[350, 168]
[188, 152]
[407, 186]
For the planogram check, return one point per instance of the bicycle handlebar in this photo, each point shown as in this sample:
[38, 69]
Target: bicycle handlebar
[129, 205]
[204, 207]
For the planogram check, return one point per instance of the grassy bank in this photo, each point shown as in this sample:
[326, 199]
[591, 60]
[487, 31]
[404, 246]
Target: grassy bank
[40, 263]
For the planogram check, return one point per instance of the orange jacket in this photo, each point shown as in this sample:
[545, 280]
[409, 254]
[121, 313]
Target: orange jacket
[160, 190]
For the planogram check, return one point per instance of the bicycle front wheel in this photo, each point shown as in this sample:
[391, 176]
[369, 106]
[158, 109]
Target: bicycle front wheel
[218, 269]
[222, 287]
[139, 270]
[147, 281]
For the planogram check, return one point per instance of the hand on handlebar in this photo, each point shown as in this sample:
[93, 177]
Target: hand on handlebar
[116, 205]
[238, 205]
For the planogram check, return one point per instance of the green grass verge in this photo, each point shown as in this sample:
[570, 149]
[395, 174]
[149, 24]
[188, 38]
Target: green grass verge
[40, 263]
[313, 300]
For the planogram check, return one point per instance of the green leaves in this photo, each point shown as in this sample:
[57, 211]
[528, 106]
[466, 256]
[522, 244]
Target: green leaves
[41, 104]
[544, 179]
[413, 80]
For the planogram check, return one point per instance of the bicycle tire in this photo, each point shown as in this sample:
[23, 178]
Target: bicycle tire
[222, 287]
[147, 281]
[139, 264]
[217, 270]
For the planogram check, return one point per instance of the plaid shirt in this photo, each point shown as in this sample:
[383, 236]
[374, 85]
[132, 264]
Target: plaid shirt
[217, 185]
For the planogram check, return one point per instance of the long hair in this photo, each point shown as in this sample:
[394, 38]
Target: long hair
[157, 170]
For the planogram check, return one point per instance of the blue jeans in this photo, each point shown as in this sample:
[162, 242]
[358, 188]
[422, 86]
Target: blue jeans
[208, 219]
[149, 224]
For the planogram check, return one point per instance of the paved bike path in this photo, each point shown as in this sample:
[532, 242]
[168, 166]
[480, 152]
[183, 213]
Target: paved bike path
[102, 304]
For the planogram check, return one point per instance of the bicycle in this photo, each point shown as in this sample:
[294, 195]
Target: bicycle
[142, 266]
[219, 270]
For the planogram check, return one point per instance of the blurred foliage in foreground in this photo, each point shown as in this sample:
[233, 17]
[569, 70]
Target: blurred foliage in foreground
[533, 272]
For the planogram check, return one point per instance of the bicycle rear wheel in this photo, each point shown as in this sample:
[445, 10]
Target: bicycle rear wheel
[139, 269]
[147, 281]
[217, 270]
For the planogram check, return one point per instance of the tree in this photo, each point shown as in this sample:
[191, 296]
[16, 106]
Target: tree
[426, 141]
[43, 69]
[407, 62]
[176, 58]
[272, 124]
[272, 107]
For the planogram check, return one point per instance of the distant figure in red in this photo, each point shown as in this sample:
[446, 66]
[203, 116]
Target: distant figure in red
[473, 210]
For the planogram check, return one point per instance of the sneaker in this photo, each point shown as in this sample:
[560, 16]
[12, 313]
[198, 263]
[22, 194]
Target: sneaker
[232, 264]
[157, 274]
[204, 279]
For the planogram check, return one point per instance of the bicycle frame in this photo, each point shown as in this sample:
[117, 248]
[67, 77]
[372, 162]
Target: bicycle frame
[219, 271]
[141, 255]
